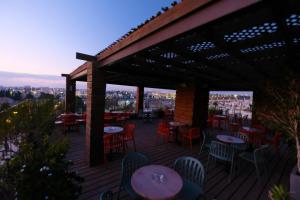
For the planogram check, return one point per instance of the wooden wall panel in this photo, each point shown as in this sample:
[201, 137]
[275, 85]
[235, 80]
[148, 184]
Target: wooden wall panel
[184, 105]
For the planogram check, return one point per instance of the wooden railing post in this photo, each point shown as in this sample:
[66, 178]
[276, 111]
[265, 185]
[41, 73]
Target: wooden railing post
[70, 94]
[139, 98]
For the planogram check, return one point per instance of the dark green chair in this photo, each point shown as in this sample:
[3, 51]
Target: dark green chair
[257, 158]
[241, 147]
[192, 172]
[206, 140]
[106, 195]
[223, 152]
[131, 162]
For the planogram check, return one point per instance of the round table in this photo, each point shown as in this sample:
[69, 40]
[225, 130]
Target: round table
[176, 124]
[249, 129]
[230, 139]
[156, 182]
[113, 129]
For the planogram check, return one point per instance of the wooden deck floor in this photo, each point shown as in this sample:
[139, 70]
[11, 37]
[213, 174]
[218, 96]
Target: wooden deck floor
[243, 186]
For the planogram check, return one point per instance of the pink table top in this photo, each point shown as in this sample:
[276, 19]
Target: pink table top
[156, 182]
[230, 139]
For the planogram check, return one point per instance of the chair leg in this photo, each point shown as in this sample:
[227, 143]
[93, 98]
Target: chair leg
[231, 171]
[118, 197]
[191, 144]
[134, 144]
[207, 163]
[257, 172]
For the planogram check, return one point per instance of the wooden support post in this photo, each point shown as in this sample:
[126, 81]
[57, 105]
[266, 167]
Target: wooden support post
[192, 105]
[70, 94]
[200, 109]
[96, 87]
[139, 98]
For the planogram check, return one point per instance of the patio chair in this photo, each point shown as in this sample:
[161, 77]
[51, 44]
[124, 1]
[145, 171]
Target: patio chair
[163, 131]
[192, 134]
[129, 134]
[223, 152]
[241, 147]
[256, 158]
[275, 141]
[130, 163]
[69, 122]
[206, 141]
[193, 174]
[106, 195]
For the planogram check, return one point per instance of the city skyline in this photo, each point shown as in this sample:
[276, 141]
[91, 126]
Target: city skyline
[11, 79]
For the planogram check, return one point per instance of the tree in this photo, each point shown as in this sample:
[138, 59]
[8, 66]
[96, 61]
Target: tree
[29, 96]
[17, 96]
[4, 106]
[283, 111]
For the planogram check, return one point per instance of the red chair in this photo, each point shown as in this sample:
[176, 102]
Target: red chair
[193, 133]
[163, 131]
[69, 122]
[129, 134]
[210, 121]
[113, 143]
[275, 141]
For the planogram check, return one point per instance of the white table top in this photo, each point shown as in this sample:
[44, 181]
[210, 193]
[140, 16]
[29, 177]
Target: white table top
[156, 182]
[176, 124]
[246, 128]
[113, 129]
[230, 139]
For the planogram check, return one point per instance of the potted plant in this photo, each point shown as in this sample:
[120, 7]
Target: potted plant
[278, 192]
[283, 113]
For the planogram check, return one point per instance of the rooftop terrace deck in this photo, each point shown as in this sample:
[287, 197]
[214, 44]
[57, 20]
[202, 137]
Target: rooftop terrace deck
[243, 186]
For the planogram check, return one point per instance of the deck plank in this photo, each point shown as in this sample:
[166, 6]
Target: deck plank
[243, 185]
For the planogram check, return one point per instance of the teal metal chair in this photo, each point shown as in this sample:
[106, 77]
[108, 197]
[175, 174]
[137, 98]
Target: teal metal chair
[223, 152]
[257, 158]
[131, 162]
[206, 141]
[106, 195]
[241, 147]
[193, 174]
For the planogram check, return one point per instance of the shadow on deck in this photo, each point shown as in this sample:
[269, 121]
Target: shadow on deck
[243, 186]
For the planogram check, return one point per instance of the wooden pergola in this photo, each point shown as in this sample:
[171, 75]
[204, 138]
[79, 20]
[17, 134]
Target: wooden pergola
[193, 47]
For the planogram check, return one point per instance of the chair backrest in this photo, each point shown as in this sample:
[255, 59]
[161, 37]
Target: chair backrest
[190, 169]
[277, 137]
[259, 153]
[206, 139]
[106, 195]
[194, 132]
[69, 118]
[131, 162]
[242, 136]
[129, 130]
[221, 151]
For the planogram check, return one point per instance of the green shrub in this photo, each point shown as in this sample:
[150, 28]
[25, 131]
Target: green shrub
[39, 170]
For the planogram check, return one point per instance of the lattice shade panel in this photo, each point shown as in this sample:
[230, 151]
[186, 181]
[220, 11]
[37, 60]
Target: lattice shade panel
[197, 47]
[255, 31]
[293, 20]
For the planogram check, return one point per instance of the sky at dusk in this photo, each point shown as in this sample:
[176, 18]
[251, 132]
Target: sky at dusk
[41, 37]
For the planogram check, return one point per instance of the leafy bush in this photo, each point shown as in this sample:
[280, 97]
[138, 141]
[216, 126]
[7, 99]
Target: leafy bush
[214, 111]
[39, 169]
